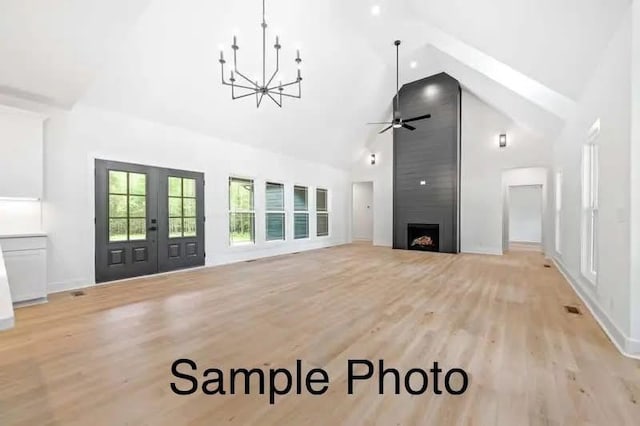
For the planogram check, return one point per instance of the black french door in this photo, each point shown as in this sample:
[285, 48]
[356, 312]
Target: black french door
[148, 220]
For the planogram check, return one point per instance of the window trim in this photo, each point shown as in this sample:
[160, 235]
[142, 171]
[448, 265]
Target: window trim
[295, 212]
[232, 211]
[283, 211]
[559, 186]
[589, 209]
[326, 212]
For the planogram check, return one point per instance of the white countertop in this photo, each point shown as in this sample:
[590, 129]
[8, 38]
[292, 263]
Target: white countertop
[6, 307]
[24, 235]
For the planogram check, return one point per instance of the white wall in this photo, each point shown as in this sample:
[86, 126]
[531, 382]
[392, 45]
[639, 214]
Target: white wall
[483, 165]
[362, 224]
[73, 140]
[20, 217]
[381, 174]
[20, 153]
[608, 98]
[634, 341]
[525, 214]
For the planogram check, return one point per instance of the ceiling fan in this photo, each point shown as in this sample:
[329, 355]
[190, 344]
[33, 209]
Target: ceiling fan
[398, 122]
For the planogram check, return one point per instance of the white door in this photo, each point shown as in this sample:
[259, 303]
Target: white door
[363, 211]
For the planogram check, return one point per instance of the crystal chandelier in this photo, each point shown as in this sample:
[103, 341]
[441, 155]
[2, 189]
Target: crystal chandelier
[248, 87]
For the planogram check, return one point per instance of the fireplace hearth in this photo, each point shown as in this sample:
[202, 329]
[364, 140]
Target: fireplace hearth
[423, 237]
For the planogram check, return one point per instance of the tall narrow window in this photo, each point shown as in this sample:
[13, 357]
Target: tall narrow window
[127, 206]
[301, 212]
[182, 207]
[322, 212]
[241, 211]
[275, 215]
[590, 206]
[558, 216]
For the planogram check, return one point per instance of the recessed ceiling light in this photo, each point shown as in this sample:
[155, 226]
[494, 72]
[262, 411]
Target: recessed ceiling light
[375, 10]
[413, 64]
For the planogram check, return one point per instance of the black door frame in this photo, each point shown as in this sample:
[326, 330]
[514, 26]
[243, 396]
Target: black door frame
[158, 253]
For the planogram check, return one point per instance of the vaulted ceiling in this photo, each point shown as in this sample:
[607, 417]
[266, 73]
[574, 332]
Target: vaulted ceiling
[157, 59]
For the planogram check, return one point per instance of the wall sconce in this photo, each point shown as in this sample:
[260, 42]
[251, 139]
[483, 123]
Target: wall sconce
[373, 159]
[503, 140]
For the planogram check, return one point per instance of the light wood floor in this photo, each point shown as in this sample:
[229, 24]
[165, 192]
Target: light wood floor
[104, 358]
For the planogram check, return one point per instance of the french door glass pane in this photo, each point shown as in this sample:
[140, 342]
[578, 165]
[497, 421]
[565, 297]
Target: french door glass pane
[323, 224]
[137, 229]
[301, 225]
[117, 206]
[118, 230]
[241, 227]
[189, 227]
[137, 184]
[189, 188]
[175, 227]
[137, 206]
[189, 207]
[175, 187]
[117, 182]
[175, 207]
[275, 226]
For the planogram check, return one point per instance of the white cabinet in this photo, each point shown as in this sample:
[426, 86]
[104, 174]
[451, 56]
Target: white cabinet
[25, 259]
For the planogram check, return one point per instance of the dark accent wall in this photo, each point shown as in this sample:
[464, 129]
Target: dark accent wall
[431, 153]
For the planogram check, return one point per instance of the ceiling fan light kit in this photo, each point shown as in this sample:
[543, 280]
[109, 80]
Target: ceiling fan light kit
[398, 122]
[274, 91]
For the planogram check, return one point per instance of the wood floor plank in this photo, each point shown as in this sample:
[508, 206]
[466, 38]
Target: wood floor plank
[104, 358]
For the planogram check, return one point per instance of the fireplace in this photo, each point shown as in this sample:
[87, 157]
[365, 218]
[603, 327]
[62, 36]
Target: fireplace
[423, 237]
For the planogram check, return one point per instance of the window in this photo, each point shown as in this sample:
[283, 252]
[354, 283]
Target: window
[558, 211]
[127, 206]
[322, 212]
[275, 215]
[241, 211]
[182, 207]
[589, 264]
[301, 212]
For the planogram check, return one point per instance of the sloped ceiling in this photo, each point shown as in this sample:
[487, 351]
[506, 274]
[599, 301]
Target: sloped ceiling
[51, 50]
[157, 59]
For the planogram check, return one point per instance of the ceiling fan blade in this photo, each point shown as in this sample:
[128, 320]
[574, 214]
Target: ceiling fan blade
[406, 126]
[384, 130]
[422, 117]
[382, 122]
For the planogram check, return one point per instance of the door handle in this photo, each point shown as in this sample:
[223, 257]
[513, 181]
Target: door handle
[153, 228]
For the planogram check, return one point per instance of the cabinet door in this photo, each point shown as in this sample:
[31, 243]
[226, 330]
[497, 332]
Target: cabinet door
[26, 271]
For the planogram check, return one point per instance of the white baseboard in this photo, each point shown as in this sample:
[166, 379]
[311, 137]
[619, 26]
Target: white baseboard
[481, 251]
[625, 345]
[63, 286]
[6, 323]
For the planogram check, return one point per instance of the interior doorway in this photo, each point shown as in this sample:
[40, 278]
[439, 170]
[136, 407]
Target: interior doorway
[362, 222]
[525, 217]
[147, 220]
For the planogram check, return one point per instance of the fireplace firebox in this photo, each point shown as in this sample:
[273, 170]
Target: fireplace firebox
[423, 237]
